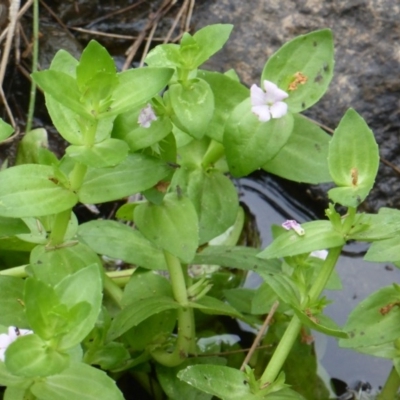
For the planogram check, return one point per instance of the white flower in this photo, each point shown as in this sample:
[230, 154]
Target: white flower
[268, 104]
[146, 116]
[322, 254]
[292, 224]
[7, 339]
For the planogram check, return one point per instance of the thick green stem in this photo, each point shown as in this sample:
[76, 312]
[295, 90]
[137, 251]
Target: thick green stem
[77, 176]
[185, 316]
[391, 386]
[59, 228]
[286, 343]
[18, 272]
[281, 352]
[35, 57]
[214, 152]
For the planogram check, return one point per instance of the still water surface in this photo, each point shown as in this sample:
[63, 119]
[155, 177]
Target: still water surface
[268, 203]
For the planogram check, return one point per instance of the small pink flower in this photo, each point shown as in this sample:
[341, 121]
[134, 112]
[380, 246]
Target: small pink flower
[146, 116]
[292, 224]
[268, 104]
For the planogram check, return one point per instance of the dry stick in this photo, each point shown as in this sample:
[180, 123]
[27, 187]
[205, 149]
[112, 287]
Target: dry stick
[55, 16]
[148, 42]
[154, 18]
[21, 12]
[189, 15]
[176, 20]
[13, 17]
[111, 14]
[259, 334]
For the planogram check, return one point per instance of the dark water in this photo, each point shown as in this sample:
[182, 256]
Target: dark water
[271, 205]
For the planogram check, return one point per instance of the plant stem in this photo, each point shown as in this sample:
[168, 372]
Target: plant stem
[60, 226]
[286, 343]
[391, 386]
[214, 152]
[324, 274]
[77, 176]
[113, 290]
[17, 272]
[35, 57]
[185, 316]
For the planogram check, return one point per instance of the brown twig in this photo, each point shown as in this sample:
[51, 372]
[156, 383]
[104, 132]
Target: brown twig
[176, 20]
[153, 19]
[55, 16]
[260, 334]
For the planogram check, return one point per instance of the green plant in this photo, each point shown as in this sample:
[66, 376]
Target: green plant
[171, 132]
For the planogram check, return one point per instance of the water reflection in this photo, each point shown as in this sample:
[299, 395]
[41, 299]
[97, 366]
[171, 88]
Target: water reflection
[269, 203]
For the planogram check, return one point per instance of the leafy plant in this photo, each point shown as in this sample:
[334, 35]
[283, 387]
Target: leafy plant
[169, 133]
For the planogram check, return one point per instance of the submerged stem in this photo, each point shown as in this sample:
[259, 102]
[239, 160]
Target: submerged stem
[59, 228]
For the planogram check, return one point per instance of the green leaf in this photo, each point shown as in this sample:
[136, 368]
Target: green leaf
[6, 130]
[70, 293]
[321, 323]
[304, 157]
[12, 311]
[178, 389]
[47, 317]
[133, 314]
[136, 173]
[383, 225]
[136, 86]
[64, 62]
[374, 321]
[63, 88]
[387, 250]
[164, 55]
[94, 59]
[353, 160]
[108, 356]
[193, 105]
[284, 288]
[33, 149]
[318, 235]
[227, 95]
[14, 393]
[78, 381]
[214, 197]
[126, 128]
[249, 143]
[236, 257]
[107, 153]
[12, 227]
[311, 55]
[28, 190]
[173, 225]
[120, 241]
[51, 266]
[211, 305]
[144, 285]
[224, 382]
[29, 356]
[11, 380]
[210, 40]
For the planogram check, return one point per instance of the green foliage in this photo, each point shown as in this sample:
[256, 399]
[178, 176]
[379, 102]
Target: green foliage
[128, 296]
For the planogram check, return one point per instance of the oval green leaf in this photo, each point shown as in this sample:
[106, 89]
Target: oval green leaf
[249, 143]
[29, 191]
[307, 58]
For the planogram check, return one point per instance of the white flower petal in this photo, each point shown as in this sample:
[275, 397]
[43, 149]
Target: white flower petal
[5, 341]
[278, 109]
[2, 354]
[274, 92]
[257, 96]
[146, 116]
[262, 112]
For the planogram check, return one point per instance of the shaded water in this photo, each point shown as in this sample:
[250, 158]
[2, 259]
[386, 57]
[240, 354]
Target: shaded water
[270, 205]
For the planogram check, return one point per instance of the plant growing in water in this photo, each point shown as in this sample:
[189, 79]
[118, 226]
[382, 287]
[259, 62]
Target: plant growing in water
[171, 132]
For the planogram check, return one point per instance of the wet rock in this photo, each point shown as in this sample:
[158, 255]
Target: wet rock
[367, 44]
